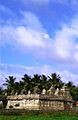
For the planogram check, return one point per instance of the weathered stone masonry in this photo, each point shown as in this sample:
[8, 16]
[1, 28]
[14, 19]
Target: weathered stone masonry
[50, 100]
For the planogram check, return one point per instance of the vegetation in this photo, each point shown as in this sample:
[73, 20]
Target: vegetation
[40, 117]
[36, 84]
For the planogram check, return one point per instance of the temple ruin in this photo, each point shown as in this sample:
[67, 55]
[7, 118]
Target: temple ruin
[59, 99]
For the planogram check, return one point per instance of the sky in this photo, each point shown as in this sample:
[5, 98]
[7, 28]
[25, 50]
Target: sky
[39, 36]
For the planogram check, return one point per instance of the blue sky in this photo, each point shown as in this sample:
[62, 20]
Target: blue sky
[39, 36]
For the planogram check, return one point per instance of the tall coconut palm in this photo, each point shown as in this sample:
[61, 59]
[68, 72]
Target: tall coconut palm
[44, 81]
[26, 83]
[17, 88]
[1, 91]
[36, 82]
[73, 90]
[69, 84]
[55, 80]
[10, 84]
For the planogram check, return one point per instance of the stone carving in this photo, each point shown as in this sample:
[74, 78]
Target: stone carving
[62, 91]
[56, 92]
[63, 88]
[16, 93]
[1, 104]
[65, 92]
[22, 91]
[43, 91]
[12, 93]
[5, 93]
[51, 90]
[29, 92]
[36, 89]
[52, 99]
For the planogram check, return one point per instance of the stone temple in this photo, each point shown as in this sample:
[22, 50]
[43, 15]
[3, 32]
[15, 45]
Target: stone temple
[47, 100]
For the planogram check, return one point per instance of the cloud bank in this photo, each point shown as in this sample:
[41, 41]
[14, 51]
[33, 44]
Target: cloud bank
[28, 35]
[32, 36]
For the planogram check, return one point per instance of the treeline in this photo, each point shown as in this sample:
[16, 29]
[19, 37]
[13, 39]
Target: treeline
[36, 84]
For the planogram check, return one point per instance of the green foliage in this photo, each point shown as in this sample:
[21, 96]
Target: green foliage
[36, 84]
[1, 91]
[40, 117]
[10, 84]
[73, 90]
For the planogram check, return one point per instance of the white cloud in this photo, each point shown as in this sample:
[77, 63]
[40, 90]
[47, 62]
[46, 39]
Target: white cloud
[65, 40]
[30, 38]
[31, 21]
[69, 76]
[30, 34]
[76, 56]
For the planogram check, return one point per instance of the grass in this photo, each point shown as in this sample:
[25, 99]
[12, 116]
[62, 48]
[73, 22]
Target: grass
[40, 117]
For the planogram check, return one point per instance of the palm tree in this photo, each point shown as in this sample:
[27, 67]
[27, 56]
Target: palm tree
[36, 83]
[43, 81]
[26, 83]
[10, 84]
[1, 91]
[70, 84]
[55, 80]
[17, 88]
[73, 90]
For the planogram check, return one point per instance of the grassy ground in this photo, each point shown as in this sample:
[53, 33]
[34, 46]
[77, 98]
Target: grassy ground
[39, 117]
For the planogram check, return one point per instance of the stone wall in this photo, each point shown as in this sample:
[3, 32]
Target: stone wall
[52, 105]
[37, 102]
[51, 100]
[23, 102]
